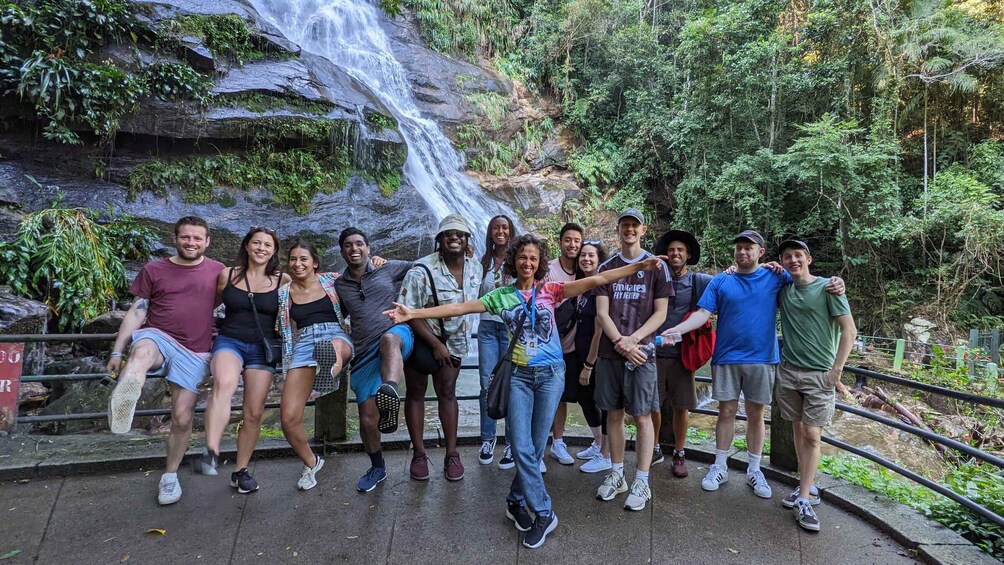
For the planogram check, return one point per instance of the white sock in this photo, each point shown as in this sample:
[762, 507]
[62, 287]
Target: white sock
[754, 464]
[170, 476]
[618, 468]
[641, 476]
[558, 441]
[722, 458]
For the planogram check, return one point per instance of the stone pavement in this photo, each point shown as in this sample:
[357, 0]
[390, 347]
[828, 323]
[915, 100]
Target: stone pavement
[105, 518]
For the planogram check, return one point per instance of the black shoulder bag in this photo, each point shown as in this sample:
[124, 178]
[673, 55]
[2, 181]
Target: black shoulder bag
[272, 347]
[497, 398]
[422, 359]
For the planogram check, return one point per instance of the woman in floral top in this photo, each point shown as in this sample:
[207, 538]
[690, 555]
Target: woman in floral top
[538, 376]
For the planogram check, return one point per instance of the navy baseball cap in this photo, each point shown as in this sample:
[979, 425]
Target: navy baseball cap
[749, 235]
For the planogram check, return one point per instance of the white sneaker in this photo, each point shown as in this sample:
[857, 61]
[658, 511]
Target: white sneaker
[589, 452]
[716, 476]
[543, 467]
[640, 495]
[597, 464]
[308, 477]
[758, 482]
[560, 452]
[613, 484]
[169, 491]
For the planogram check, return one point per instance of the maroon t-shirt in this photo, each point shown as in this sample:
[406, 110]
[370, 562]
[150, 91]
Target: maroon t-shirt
[182, 298]
[632, 299]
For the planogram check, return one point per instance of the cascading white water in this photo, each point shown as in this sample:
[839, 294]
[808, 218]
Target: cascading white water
[348, 33]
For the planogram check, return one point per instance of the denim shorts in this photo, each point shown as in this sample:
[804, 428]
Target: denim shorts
[252, 355]
[303, 343]
[182, 366]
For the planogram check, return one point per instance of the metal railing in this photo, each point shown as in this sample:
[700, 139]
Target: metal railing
[858, 372]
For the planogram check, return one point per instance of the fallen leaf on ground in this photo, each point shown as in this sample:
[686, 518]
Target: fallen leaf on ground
[124, 559]
[157, 531]
[10, 554]
[736, 551]
[351, 537]
[108, 540]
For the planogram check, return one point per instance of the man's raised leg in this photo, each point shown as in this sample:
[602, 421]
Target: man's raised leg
[144, 357]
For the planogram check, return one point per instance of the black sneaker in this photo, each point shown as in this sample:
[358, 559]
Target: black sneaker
[657, 456]
[507, 462]
[487, 453]
[518, 514]
[388, 402]
[806, 516]
[243, 481]
[206, 464]
[543, 525]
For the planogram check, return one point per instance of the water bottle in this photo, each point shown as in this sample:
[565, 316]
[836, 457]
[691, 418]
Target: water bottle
[647, 350]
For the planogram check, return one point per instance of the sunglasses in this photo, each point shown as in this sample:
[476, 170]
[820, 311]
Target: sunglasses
[269, 231]
[453, 233]
[593, 242]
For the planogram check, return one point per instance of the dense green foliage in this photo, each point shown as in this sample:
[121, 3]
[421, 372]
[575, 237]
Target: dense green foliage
[978, 483]
[64, 258]
[872, 129]
[48, 60]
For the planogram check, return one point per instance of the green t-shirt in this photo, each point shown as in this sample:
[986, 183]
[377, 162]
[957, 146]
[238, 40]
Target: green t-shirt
[809, 325]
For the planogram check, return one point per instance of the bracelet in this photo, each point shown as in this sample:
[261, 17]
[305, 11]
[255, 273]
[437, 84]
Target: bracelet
[588, 366]
[116, 354]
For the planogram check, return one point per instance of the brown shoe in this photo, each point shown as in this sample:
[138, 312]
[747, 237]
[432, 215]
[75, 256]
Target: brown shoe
[453, 467]
[420, 467]
[679, 465]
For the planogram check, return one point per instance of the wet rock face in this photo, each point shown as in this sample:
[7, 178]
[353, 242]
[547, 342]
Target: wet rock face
[21, 315]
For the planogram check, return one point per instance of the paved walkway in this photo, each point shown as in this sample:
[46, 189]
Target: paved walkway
[103, 519]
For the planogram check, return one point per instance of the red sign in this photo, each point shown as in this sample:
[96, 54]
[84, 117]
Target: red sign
[11, 356]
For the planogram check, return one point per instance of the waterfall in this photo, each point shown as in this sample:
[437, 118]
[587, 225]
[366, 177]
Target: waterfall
[348, 33]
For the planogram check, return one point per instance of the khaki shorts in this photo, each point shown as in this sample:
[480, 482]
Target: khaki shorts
[754, 381]
[803, 395]
[677, 388]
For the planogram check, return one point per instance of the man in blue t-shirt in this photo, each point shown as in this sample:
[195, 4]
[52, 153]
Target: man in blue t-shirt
[746, 352]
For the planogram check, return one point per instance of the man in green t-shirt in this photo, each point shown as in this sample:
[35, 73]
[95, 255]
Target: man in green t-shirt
[818, 334]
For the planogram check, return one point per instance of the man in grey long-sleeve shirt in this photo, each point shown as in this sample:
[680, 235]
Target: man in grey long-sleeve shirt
[381, 347]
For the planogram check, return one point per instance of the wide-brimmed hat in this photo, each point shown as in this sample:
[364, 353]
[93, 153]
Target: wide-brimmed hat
[688, 239]
[453, 222]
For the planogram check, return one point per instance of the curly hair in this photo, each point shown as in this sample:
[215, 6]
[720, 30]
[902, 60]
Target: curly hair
[516, 245]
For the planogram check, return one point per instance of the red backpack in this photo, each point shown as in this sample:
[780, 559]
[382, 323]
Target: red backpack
[697, 346]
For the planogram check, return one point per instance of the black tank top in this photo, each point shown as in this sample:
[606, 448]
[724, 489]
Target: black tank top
[239, 323]
[320, 311]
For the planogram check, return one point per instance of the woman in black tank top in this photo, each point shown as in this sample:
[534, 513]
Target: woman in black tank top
[239, 350]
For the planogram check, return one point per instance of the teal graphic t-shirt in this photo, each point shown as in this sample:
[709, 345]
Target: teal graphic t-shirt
[539, 344]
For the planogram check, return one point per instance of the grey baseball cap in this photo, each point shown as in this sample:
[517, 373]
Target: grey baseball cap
[749, 235]
[632, 213]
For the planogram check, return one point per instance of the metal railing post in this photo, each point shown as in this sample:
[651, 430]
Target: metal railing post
[992, 378]
[897, 360]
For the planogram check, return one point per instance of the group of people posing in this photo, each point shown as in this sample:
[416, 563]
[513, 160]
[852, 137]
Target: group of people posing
[584, 325]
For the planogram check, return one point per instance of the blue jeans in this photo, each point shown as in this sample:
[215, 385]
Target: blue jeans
[533, 399]
[493, 339]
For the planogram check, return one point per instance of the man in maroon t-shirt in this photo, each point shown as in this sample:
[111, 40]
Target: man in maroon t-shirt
[170, 327]
[630, 312]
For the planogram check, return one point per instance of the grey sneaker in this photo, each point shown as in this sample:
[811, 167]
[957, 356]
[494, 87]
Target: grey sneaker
[789, 501]
[613, 484]
[560, 452]
[806, 516]
[169, 491]
[206, 463]
[758, 483]
[716, 476]
[308, 477]
[639, 496]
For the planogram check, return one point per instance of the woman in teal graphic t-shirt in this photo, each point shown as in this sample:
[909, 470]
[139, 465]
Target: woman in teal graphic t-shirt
[539, 371]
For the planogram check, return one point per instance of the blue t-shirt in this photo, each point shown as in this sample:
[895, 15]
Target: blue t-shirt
[746, 305]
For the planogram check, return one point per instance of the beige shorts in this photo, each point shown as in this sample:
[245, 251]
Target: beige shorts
[803, 395]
